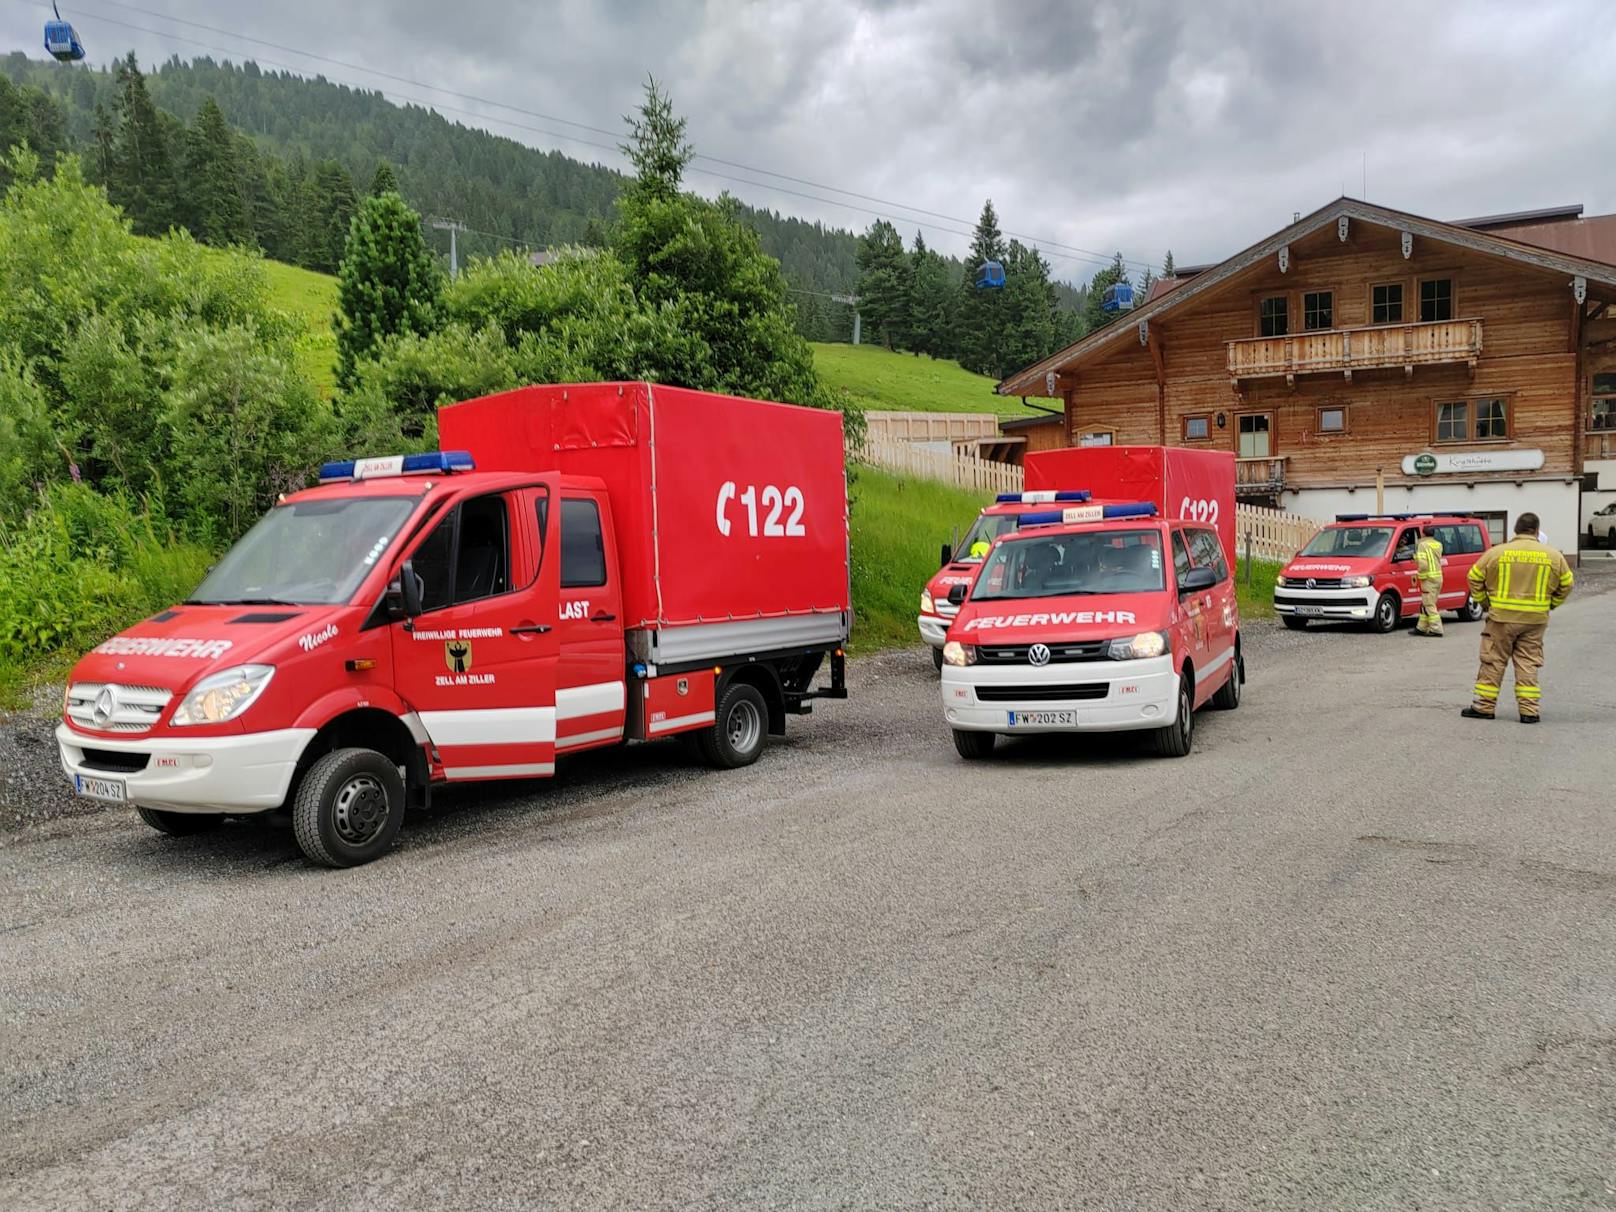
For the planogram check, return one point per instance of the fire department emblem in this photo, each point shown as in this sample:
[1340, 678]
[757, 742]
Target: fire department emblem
[1038, 654]
[457, 655]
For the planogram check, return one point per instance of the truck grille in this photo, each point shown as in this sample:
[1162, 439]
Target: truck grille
[1059, 654]
[1042, 694]
[109, 707]
[1318, 583]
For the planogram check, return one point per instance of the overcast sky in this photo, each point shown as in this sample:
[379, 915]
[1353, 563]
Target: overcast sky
[1197, 126]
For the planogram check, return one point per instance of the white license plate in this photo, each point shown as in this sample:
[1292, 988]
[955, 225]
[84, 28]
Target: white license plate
[1309, 610]
[1043, 719]
[100, 789]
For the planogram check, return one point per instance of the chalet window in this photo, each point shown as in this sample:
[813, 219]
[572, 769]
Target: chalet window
[1453, 421]
[1436, 300]
[1256, 436]
[1318, 310]
[1602, 406]
[1492, 420]
[1197, 429]
[1333, 419]
[1386, 303]
[1273, 316]
[1097, 437]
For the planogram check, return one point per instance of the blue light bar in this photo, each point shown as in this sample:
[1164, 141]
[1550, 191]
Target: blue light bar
[1041, 497]
[1088, 513]
[433, 461]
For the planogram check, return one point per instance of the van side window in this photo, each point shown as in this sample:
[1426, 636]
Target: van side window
[467, 556]
[1181, 557]
[1208, 553]
[1472, 541]
[583, 550]
[542, 506]
[1405, 546]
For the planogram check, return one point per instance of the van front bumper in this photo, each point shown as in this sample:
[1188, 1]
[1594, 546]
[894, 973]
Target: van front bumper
[1353, 604]
[250, 772]
[934, 628]
[1110, 696]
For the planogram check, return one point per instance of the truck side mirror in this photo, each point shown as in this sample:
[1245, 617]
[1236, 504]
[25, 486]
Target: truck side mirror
[956, 595]
[404, 594]
[948, 556]
[1195, 580]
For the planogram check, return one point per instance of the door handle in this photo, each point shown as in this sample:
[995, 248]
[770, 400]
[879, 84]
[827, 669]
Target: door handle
[530, 629]
[603, 618]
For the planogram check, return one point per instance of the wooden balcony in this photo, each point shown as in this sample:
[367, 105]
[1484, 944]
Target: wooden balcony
[1259, 477]
[1344, 350]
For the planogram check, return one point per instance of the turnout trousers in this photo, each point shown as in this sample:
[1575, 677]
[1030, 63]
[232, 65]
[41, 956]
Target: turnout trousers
[1430, 617]
[1500, 644]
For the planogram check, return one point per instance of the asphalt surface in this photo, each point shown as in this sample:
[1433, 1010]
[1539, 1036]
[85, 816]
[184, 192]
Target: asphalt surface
[1354, 952]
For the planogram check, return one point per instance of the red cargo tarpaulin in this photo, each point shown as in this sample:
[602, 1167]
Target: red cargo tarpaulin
[725, 508]
[1196, 485]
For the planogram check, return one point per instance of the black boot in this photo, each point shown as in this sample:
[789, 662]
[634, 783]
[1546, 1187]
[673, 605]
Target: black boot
[1470, 713]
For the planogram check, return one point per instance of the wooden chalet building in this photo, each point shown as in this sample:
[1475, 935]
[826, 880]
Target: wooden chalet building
[1457, 367]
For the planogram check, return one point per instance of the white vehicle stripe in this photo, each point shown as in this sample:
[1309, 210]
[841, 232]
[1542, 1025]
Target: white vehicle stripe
[491, 726]
[586, 738]
[680, 721]
[1215, 664]
[575, 701]
[523, 770]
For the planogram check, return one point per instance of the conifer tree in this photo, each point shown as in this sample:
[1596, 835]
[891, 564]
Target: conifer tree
[932, 299]
[141, 177]
[885, 284]
[388, 283]
[212, 205]
[1095, 316]
[1168, 271]
[385, 181]
[982, 310]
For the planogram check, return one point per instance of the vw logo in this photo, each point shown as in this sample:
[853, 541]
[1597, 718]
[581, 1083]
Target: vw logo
[1038, 654]
[105, 704]
[1312, 583]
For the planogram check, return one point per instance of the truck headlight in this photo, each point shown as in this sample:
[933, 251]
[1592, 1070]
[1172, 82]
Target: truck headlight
[955, 653]
[927, 606]
[223, 696]
[1357, 582]
[1141, 647]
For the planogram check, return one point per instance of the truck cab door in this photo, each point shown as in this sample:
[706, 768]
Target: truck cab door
[478, 664]
[591, 674]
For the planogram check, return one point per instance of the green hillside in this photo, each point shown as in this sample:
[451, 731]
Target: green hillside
[312, 298]
[879, 378]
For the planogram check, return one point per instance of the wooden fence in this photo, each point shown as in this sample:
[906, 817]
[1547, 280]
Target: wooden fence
[939, 427]
[962, 470]
[1271, 534]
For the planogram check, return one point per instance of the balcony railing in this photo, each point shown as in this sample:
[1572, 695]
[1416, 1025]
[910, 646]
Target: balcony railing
[1259, 477]
[1344, 350]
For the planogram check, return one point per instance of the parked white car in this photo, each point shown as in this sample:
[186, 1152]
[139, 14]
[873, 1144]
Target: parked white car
[1602, 526]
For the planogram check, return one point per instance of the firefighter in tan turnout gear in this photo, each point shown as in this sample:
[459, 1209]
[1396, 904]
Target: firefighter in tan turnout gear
[1428, 568]
[1518, 582]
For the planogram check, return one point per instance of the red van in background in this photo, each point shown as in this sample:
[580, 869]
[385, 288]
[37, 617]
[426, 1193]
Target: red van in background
[1360, 568]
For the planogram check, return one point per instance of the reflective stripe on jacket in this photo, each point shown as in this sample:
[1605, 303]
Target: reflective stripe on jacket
[1428, 559]
[1521, 581]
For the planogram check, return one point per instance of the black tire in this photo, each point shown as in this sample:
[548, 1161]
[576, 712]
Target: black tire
[1472, 611]
[1388, 612]
[1228, 696]
[937, 659]
[180, 824]
[973, 746]
[1178, 738]
[739, 730]
[1294, 622]
[348, 808]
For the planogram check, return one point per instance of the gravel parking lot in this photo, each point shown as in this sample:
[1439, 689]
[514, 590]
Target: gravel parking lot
[1355, 952]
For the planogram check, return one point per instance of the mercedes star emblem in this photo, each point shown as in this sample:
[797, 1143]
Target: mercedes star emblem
[1038, 654]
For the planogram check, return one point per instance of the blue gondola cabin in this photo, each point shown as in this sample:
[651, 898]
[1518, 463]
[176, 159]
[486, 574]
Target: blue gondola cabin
[990, 276]
[1118, 297]
[61, 40]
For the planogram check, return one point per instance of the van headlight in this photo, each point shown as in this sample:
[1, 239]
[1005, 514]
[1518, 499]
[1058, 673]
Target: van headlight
[927, 605]
[1357, 582]
[1282, 581]
[223, 696]
[955, 653]
[1140, 647]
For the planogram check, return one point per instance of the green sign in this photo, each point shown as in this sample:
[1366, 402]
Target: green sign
[1424, 464]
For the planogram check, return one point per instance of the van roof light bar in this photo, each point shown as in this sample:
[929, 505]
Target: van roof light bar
[1087, 513]
[439, 462]
[1042, 497]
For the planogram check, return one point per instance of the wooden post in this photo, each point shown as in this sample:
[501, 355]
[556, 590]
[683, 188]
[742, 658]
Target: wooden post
[1380, 490]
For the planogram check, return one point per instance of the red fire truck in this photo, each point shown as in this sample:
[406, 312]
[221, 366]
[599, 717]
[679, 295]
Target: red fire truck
[1195, 485]
[581, 566]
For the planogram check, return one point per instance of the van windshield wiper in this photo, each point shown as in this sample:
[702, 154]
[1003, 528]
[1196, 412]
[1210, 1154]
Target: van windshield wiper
[237, 602]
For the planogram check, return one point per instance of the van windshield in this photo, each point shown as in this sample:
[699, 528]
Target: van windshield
[310, 553]
[1359, 542]
[983, 531]
[1064, 565]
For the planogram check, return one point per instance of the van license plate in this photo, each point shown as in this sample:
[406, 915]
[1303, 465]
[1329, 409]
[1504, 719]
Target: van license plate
[1043, 719]
[111, 790]
[1309, 610]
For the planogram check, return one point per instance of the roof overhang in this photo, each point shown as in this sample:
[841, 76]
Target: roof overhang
[1030, 380]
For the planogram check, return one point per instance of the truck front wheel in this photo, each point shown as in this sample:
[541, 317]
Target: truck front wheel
[973, 746]
[739, 728]
[180, 824]
[348, 808]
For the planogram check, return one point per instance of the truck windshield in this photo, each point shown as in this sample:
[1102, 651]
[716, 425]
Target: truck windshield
[983, 531]
[309, 553]
[1063, 565]
[1356, 541]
